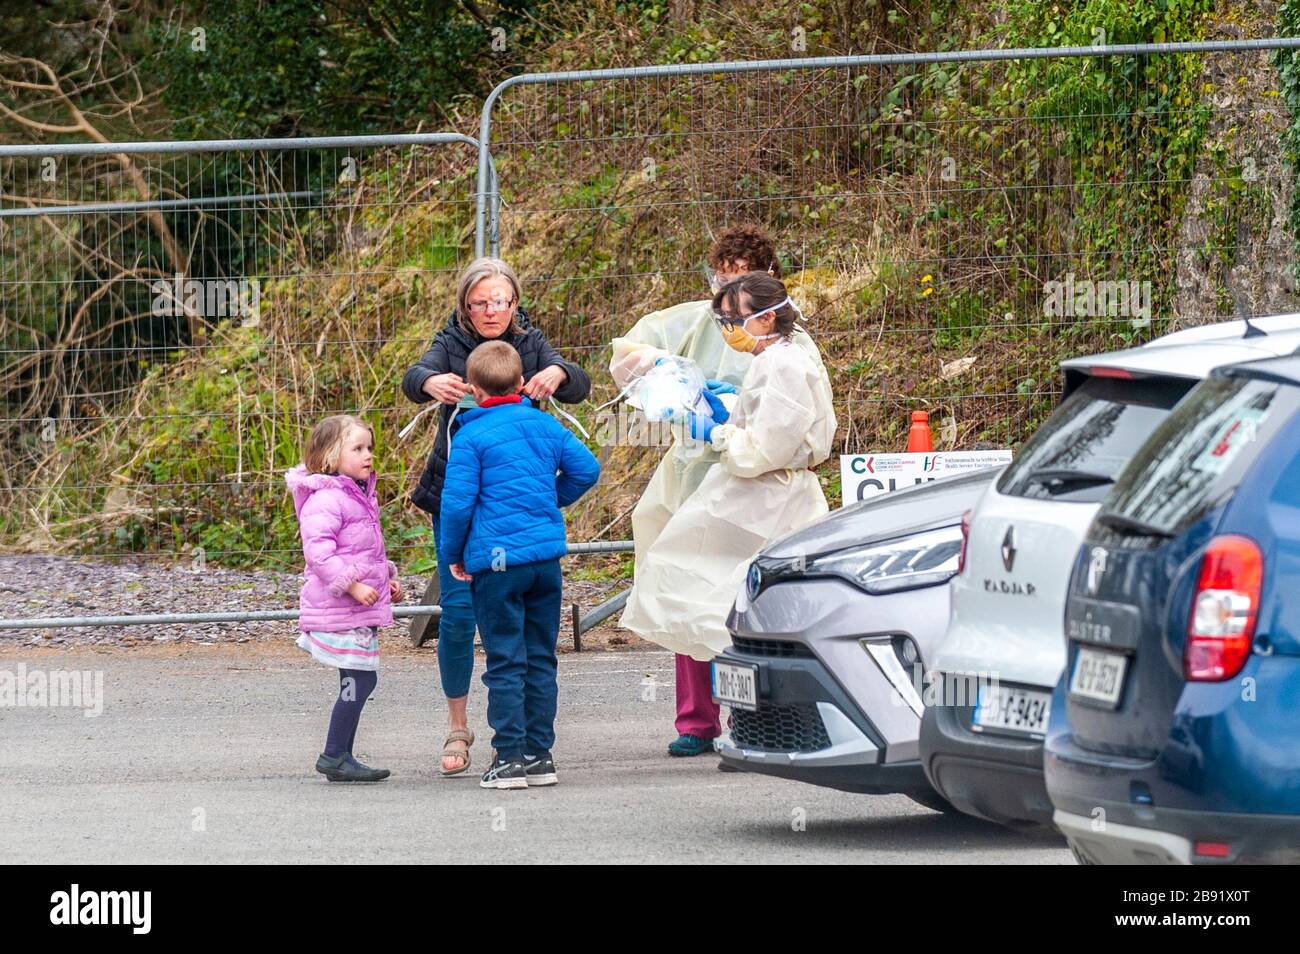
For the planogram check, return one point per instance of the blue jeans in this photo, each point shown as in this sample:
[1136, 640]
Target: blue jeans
[455, 628]
[518, 611]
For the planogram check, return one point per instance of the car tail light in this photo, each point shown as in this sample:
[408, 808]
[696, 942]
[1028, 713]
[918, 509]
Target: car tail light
[965, 539]
[1223, 609]
[1100, 372]
[1212, 849]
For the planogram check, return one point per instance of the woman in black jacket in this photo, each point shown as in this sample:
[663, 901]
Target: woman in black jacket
[487, 308]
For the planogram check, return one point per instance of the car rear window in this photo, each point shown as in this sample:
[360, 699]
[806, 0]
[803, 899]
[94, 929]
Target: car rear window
[1080, 450]
[1199, 456]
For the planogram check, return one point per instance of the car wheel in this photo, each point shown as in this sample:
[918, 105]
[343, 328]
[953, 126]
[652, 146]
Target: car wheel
[1079, 856]
[934, 801]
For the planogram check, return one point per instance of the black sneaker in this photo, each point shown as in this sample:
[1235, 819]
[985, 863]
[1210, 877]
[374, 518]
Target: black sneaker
[344, 768]
[504, 773]
[540, 770]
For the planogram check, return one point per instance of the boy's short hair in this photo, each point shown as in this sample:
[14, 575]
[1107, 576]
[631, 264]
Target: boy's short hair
[325, 445]
[495, 368]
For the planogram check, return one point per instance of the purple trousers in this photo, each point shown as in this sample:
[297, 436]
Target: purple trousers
[697, 713]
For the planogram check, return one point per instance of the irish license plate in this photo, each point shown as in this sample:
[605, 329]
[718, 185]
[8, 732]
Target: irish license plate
[735, 685]
[1011, 709]
[1098, 676]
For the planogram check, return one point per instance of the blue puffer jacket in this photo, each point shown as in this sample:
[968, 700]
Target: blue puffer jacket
[502, 497]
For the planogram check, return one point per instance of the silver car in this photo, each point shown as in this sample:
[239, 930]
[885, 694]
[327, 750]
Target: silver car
[985, 754]
[836, 633]
[825, 674]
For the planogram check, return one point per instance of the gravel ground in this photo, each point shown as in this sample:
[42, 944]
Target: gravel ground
[51, 586]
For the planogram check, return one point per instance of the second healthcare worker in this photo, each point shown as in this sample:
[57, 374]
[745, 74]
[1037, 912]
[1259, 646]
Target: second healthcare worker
[736, 482]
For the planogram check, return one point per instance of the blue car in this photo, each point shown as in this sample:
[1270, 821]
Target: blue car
[1175, 736]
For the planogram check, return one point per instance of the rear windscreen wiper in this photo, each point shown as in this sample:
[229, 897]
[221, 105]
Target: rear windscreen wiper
[1063, 475]
[1117, 521]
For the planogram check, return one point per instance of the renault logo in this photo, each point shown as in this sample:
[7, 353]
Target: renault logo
[1009, 549]
[1096, 567]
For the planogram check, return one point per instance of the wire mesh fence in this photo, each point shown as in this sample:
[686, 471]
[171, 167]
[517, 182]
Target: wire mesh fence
[952, 225]
[175, 316]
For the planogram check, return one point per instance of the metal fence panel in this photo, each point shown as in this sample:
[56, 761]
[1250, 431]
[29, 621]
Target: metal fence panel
[219, 297]
[957, 222]
[953, 224]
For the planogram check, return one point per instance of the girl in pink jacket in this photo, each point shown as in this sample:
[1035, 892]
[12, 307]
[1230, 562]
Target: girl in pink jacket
[349, 584]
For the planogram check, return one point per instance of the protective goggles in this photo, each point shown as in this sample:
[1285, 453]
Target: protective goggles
[715, 280]
[731, 321]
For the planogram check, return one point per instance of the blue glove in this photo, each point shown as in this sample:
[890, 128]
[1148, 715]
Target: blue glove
[720, 387]
[701, 426]
[716, 408]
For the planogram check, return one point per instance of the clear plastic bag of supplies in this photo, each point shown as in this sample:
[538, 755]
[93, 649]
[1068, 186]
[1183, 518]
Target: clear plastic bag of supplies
[670, 389]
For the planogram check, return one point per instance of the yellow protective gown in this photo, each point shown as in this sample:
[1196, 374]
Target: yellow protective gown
[688, 330]
[687, 577]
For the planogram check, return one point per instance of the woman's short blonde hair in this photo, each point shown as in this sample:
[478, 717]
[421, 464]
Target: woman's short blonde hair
[325, 445]
[474, 273]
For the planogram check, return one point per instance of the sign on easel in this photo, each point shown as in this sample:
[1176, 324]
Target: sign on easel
[863, 476]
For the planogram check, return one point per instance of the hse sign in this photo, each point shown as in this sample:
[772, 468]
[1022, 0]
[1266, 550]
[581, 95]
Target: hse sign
[863, 476]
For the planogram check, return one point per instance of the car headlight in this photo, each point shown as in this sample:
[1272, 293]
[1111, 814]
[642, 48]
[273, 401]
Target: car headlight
[905, 563]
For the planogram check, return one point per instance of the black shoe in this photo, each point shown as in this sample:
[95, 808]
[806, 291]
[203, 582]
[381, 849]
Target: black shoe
[504, 773]
[344, 768]
[540, 770]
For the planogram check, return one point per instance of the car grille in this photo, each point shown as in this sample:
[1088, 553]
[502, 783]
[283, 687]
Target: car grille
[783, 648]
[793, 728]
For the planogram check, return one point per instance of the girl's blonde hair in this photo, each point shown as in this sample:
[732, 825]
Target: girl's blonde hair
[325, 445]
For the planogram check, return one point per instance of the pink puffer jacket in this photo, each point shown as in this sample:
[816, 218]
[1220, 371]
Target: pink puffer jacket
[342, 543]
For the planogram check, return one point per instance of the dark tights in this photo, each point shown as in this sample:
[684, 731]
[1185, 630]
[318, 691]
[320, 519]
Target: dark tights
[355, 687]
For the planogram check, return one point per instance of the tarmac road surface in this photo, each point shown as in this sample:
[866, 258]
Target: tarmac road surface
[205, 755]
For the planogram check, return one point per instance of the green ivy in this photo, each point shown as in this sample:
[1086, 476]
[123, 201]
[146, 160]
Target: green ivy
[1130, 127]
[1288, 76]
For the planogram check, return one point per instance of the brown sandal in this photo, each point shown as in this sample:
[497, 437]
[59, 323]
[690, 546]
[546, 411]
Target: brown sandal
[457, 735]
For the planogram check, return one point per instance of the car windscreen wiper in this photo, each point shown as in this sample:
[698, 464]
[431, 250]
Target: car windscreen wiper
[1064, 475]
[1117, 521]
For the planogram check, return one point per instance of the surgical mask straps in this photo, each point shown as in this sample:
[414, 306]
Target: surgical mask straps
[451, 420]
[759, 314]
[569, 417]
[777, 307]
[627, 389]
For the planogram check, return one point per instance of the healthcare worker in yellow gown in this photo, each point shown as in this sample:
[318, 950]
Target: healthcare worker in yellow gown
[737, 482]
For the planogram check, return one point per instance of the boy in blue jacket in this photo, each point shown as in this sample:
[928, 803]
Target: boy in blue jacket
[510, 470]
